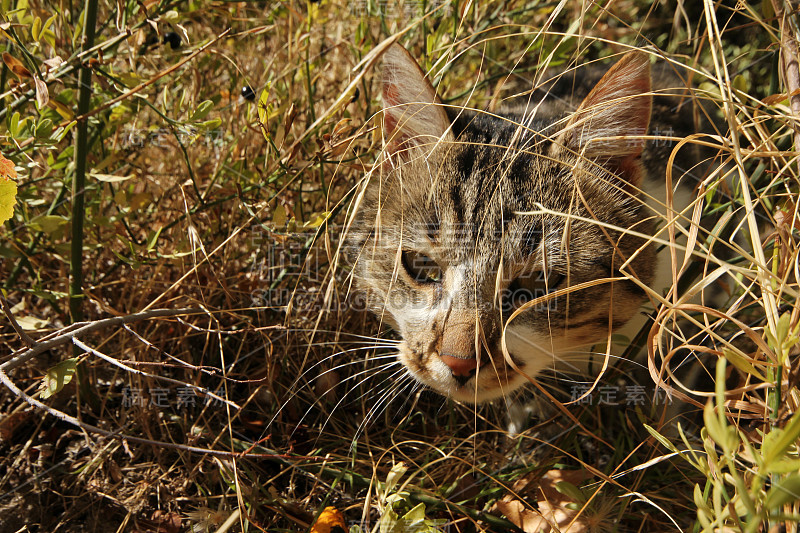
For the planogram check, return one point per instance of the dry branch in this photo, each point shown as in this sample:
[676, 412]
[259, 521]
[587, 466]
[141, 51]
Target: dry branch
[791, 67]
[71, 334]
[76, 330]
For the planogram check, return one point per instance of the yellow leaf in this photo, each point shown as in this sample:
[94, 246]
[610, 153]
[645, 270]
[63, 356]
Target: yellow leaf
[58, 376]
[109, 178]
[317, 220]
[8, 189]
[330, 521]
[61, 109]
[31, 323]
[279, 216]
[140, 200]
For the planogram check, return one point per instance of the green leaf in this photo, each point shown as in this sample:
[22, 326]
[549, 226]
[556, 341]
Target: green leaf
[740, 83]
[415, 514]
[388, 521]
[279, 216]
[202, 111]
[784, 491]
[661, 438]
[568, 489]
[317, 220]
[47, 23]
[130, 79]
[700, 502]
[151, 242]
[710, 192]
[708, 445]
[742, 364]
[415, 520]
[264, 107]
[119, 114]
[13, 125]
[784, 466]
[719, 430]
[394, 476]
[36, 28]
[778, 441]
[212, 124]
[62, 132]
[767, 10]
[43, 129]
[48, 224]
[58, 376]
[784, 323]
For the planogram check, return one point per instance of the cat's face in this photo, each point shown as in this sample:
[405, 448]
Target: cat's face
[484, 241]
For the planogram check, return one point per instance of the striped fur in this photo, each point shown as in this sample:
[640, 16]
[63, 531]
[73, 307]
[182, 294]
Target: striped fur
[504, 206]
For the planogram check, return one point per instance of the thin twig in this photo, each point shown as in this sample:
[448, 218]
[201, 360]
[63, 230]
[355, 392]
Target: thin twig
[173, 68]
[791, 67]
[70, 333]
[117, 363]
[6, 380]
[131, 92]
[14, 324]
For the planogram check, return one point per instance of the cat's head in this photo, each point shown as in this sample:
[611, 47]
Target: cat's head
[488, 241]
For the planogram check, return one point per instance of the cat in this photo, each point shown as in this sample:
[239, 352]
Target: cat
[496, 244]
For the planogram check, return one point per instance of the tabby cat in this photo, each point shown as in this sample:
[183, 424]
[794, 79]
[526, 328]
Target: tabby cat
[496, 244]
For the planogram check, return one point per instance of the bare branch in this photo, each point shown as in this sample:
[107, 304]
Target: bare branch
[14, 324]
[125, 367]
[6, 380]
[791, 66]
[71, 332]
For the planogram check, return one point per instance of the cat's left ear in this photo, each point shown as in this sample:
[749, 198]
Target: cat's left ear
[413, 115]
[611, 120]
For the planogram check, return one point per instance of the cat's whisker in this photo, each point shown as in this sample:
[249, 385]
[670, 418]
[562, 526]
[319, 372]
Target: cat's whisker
[297, 389]
[597, 357]
[392, 381]
[364, 361]
[321, 362]
[384, 343]
[369, 373]
[414, 387]
[344, 334]
[377, 405]
[371, 393]
[392, 394]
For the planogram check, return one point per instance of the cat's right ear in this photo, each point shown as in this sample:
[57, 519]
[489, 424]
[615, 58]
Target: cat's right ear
[612, 120]
[413, 116]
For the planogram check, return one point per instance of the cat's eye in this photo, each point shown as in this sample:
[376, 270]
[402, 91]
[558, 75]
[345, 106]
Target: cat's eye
[421, 268]
[529, 287]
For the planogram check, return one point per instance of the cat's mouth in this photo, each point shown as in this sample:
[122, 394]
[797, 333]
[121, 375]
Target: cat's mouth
[493, 378]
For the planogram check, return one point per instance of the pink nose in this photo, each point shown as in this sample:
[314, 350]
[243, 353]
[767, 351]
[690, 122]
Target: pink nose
[460, 367]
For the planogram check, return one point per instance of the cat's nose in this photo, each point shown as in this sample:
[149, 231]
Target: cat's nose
[461, 367]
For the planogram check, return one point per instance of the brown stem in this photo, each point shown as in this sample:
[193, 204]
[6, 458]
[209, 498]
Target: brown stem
[71, 332]
[14, 324]
[6, 380]
[791, 66]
